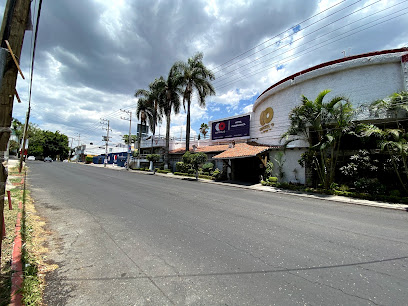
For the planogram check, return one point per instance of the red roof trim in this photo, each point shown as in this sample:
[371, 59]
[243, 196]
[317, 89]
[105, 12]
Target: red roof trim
[340, 60]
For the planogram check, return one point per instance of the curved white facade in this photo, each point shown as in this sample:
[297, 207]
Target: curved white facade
[362, 79]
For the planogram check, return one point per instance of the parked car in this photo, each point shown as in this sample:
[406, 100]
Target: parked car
[48, 159]
[31, 158]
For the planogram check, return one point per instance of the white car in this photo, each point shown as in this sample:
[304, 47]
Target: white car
[31, 158]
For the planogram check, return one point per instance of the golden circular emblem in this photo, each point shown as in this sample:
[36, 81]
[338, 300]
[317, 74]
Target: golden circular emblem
[266, 116]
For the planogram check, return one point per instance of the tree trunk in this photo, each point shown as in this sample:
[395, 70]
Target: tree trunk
[139, 139]
[154, 122]
[166, 152]
[188, 123]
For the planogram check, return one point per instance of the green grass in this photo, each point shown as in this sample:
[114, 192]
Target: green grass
[10, 217]
[33, 235]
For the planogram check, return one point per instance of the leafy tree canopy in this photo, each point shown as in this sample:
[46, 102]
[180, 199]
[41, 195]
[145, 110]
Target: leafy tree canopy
[47, 143]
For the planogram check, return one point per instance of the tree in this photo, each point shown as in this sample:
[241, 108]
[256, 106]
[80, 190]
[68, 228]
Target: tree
[322, 125]
[17, 127]
[195, 76]
[152, 96]
[47, 143]
[169, 100]
[144, 112]
[133, 138]
[393, 141]
[204, 129]
[197, 159]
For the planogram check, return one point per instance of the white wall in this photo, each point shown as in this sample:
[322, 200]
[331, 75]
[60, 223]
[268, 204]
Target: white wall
[362, 81]
[291, 157]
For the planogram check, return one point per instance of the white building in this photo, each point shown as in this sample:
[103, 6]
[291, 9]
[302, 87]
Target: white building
[362, 78]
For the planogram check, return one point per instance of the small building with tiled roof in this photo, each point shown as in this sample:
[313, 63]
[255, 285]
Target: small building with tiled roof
[210, 150]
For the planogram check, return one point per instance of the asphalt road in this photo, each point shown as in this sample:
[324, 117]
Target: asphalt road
[124, 238]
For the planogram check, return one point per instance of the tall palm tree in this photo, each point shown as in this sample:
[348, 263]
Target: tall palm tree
[169, 100]
[204, 129]
[152, 97]
[195, 77]
[144, 112]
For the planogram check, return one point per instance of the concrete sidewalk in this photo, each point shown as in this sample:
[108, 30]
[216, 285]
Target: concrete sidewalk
[259, 187]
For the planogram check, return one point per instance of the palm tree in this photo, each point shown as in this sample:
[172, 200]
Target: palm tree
[144, 112]
[395, 143]
[152, 97]
[195, 77]
[322, 125]
[204, 129]
[169, 100]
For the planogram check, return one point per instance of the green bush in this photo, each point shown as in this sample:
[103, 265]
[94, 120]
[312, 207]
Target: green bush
[273, 179]
[395, 193]
[163, 171]
[207, 167]
[370, 186]
[216, 174]
[153, 157]
[182, 167]
[88, 160]
[190, 171]
[187, 158]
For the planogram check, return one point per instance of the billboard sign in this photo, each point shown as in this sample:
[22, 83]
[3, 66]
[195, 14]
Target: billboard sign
[143, 128]
[230, 128]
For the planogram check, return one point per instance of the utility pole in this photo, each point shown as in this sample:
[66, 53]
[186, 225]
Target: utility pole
[12, 29]
[106, 138]
[130, 135]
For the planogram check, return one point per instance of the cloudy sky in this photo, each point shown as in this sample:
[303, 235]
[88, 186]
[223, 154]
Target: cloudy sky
[92, 55]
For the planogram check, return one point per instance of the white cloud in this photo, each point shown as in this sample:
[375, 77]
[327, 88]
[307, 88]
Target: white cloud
[248, 108]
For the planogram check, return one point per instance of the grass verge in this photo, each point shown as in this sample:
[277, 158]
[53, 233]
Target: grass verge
[10, 217]
[34, 253]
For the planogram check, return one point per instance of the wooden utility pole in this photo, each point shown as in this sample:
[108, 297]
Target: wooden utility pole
[13, 27]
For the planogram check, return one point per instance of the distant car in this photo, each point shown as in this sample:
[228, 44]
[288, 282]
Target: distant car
[48, 159]
[31, 158]
[65, 160]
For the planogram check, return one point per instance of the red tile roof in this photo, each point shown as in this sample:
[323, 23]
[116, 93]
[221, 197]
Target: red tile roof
[204, 149]
[177, 151]
[215, 148]
[242, 150]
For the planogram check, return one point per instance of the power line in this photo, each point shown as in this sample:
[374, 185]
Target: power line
[312, 49]
[301, 38]
[216, 68]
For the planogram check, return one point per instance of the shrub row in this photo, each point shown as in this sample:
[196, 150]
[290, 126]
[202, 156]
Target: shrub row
[208, 177]
[163, 171]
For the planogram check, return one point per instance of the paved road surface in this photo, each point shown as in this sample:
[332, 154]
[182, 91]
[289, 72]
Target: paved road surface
[131, 239]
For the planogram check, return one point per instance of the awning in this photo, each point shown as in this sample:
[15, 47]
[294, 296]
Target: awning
[242, 150]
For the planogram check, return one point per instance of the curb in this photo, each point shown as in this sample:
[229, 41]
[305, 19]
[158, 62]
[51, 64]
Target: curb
[17, 265]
